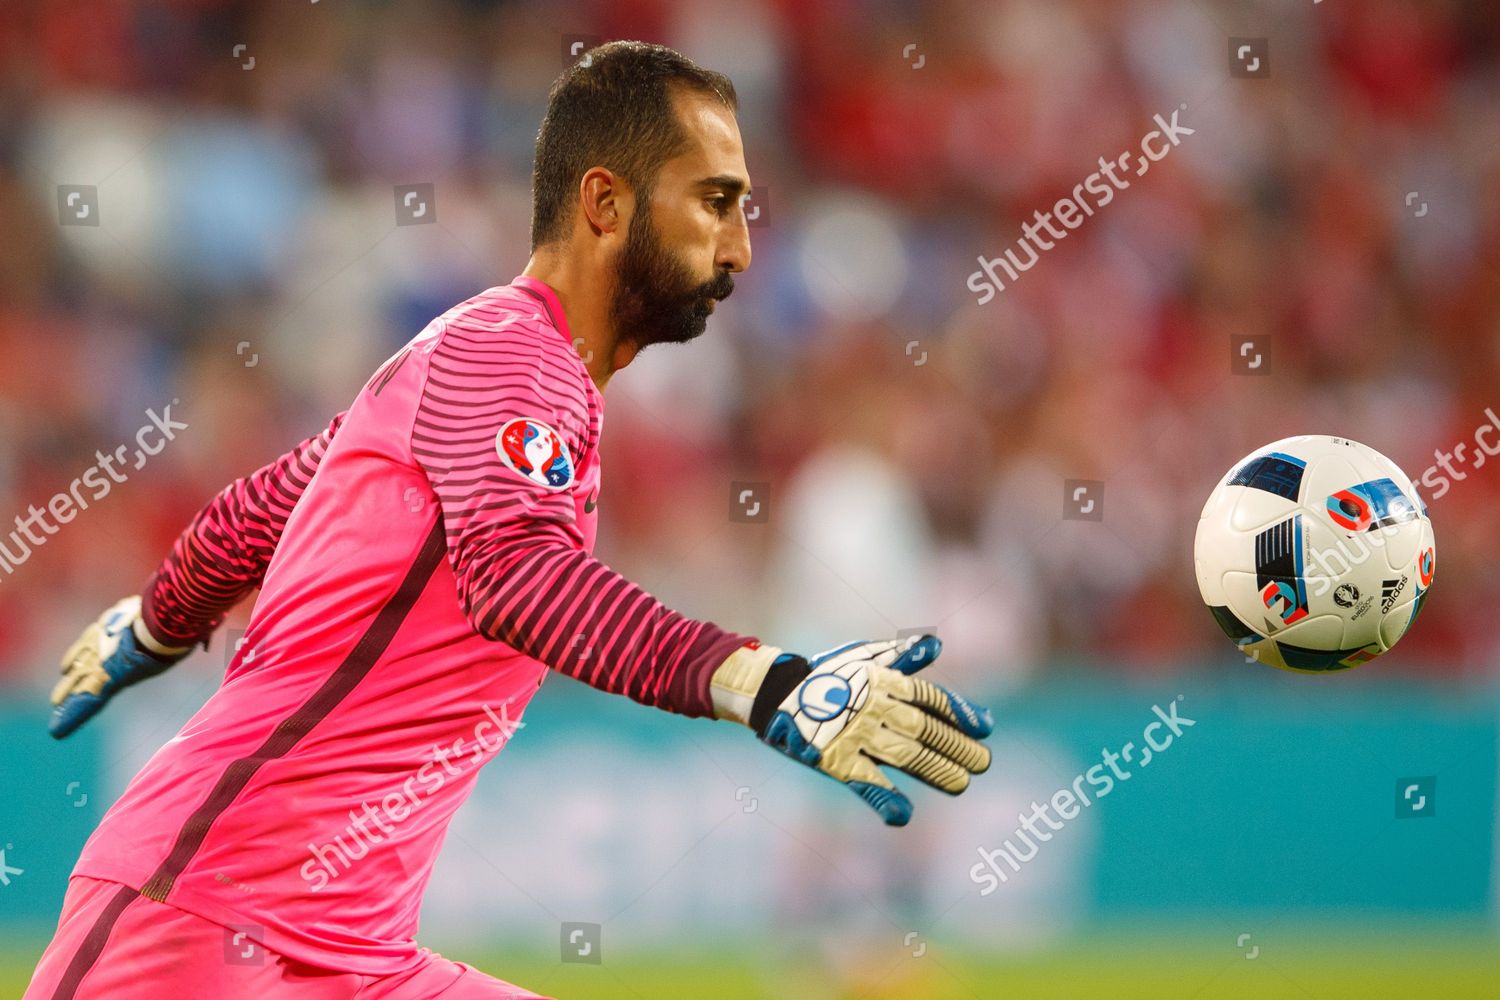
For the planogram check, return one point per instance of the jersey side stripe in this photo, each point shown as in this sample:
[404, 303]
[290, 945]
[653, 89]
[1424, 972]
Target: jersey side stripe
[361, 659]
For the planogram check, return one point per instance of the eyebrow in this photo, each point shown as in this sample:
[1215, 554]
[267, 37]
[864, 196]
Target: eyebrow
[733, 186]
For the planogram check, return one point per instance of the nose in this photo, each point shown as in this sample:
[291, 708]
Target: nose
[734, 249]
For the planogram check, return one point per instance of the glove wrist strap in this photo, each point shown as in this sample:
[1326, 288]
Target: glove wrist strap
[786, 672]
[149, 643]
[736, 680]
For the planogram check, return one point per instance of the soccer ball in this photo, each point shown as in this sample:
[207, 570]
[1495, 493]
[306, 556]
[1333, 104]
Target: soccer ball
[1314, 553]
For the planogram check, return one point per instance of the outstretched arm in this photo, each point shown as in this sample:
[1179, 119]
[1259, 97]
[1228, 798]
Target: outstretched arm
[525, 578]
[515, 542]
[220, 557]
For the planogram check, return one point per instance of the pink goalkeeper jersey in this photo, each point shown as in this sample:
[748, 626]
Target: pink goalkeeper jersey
[423, 562]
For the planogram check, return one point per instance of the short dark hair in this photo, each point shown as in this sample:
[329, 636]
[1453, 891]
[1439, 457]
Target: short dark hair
[612, 109]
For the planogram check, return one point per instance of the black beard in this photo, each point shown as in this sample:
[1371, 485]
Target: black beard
[655, 299]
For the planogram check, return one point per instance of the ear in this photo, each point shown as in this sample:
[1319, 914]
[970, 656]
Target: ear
[604, 198]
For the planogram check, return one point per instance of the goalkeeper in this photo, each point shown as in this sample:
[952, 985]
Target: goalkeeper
[423, 563]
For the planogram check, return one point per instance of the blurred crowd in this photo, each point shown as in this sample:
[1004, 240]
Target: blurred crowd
[1341, 210]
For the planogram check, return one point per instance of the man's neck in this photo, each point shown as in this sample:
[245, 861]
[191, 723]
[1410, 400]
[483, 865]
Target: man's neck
[586, 309]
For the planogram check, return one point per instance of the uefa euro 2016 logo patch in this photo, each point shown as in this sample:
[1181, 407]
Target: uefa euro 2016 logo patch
[536, 451]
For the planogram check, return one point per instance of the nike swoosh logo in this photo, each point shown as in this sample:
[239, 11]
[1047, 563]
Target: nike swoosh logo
[591, 502]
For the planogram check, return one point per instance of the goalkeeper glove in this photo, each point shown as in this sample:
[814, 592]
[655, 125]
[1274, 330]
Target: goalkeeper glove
[113, 653]
[846, 711]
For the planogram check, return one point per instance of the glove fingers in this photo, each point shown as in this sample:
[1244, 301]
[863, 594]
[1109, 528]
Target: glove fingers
[896, 743]
[932, 768]
[81, 668]
[63, 688]
[920, 651]
[893, 807]
[971, 719]
[73, 712]
[967, 753]
[875, 788]
[905, 655]
[80, 681]
[925, 730]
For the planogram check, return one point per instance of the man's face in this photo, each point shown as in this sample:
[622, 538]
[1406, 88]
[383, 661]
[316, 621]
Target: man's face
[687, 236]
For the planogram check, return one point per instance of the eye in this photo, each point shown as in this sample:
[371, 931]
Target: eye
[719, 203]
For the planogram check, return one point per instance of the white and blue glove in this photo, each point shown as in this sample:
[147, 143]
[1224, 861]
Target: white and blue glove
[849, 710]
[113, 653]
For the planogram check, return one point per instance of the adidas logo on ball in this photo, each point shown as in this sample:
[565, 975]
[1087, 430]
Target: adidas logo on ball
[1389, 591]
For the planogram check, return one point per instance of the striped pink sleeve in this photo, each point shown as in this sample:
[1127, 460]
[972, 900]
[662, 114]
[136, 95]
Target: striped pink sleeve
[223, 553]
[524, 574]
